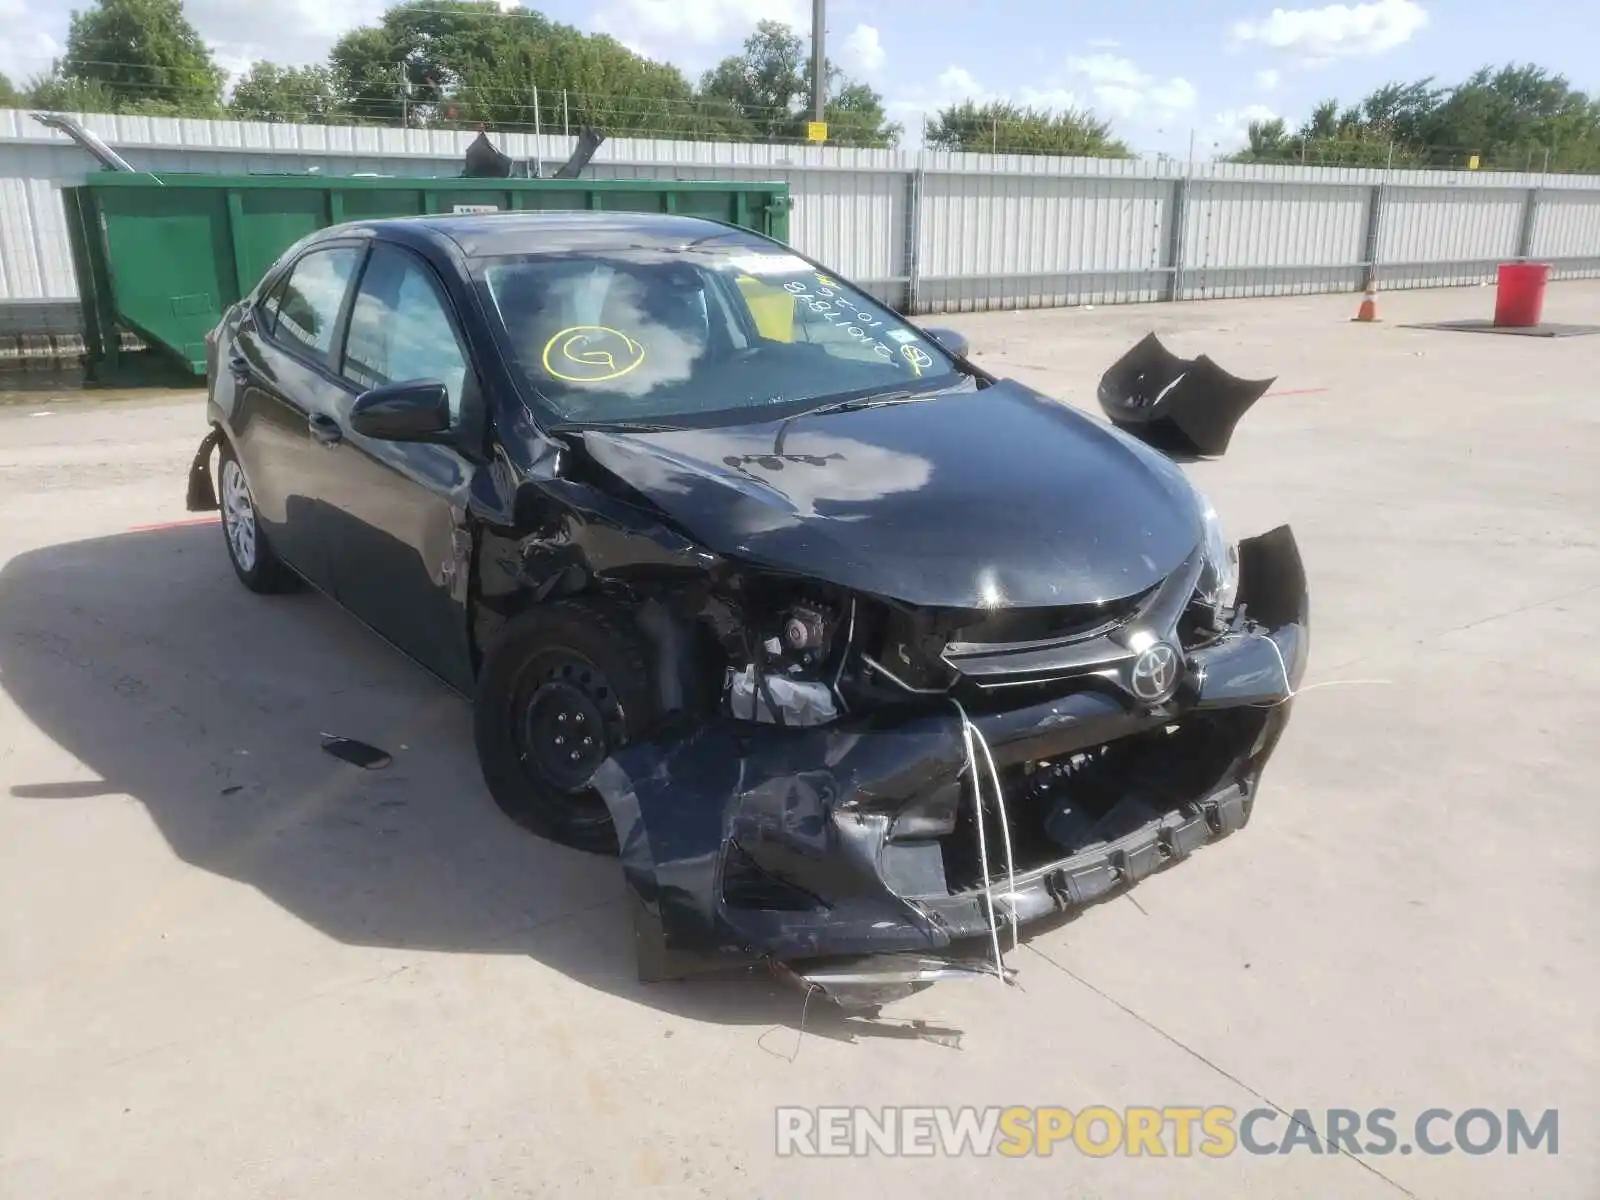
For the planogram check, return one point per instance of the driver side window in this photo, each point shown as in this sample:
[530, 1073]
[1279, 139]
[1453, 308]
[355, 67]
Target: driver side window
[400, 329]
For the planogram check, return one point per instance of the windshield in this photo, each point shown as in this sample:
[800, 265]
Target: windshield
[710, 331]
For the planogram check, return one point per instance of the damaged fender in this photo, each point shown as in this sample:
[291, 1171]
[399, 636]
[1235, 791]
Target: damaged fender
[1179, 405]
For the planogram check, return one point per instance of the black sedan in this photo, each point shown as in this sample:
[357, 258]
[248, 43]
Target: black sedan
[850, 648]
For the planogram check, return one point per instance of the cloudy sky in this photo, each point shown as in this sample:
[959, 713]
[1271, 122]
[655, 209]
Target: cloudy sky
[1158, 69]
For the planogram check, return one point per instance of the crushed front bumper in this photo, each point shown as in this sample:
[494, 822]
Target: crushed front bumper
[742, 842]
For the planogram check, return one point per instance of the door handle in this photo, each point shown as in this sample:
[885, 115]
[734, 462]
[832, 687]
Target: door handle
[325, 429]
[239, 367]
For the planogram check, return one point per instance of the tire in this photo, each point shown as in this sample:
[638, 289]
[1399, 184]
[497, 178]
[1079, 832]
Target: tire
[254, 561]
[562, 687]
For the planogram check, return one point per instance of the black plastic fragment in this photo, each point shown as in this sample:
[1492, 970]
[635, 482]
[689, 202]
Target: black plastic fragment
[202, 494]
[360, 754]
[1179, 405]
[484, 160]
[589, 139]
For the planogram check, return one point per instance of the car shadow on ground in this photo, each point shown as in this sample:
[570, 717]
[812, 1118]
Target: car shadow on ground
[143, 657]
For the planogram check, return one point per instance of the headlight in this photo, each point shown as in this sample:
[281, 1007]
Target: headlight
[1219, 578]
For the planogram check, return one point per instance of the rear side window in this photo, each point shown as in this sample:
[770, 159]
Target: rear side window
[400, 329]
[309, 300]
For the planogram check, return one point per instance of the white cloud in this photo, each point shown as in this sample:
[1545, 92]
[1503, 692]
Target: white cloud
[1337, 30]
[1108, 69]
[1267, 80]
[1120, 89]
[291, 32]
[300, 32]
[864, 49]
[956, 84]
[1230, 128]
[666, 24]
[27, 49]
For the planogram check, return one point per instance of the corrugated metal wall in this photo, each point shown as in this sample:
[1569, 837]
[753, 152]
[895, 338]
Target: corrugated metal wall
[1270, 239]
[930, 230]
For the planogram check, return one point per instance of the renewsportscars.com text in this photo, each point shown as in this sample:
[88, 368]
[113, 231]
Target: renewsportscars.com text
[1158, 1132]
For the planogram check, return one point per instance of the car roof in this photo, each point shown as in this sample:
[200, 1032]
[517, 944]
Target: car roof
[489, 235]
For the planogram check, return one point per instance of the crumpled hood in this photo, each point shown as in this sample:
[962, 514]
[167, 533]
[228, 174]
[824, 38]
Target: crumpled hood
[998, 497]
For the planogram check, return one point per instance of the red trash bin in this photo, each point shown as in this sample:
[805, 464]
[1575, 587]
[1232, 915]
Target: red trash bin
[1519, 295]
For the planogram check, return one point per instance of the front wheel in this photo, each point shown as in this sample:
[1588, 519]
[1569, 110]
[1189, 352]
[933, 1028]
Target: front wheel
[252, 556]
[564, 686]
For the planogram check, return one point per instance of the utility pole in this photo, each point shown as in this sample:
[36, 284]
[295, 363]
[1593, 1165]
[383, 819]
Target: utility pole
[819, 62]
[538, 134]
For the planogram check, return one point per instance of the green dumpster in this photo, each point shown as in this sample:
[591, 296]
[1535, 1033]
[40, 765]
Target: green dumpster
[163, 256]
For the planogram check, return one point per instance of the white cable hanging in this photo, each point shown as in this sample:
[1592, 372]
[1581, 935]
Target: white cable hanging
[970, 733]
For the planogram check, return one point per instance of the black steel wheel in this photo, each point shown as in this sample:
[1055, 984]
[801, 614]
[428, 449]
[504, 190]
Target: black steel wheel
[564, 686]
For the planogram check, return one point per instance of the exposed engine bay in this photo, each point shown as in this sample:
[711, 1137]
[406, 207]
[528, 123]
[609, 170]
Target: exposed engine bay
[873, 793]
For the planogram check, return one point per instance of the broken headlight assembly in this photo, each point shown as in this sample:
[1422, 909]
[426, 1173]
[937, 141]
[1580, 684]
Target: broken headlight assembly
[1218, 586]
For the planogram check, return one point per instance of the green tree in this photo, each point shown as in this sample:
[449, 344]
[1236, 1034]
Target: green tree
[284, 95]
[55, 94]
[9, 96]
[145, 54]
[460, 62]
[768, 85]
[1268, 141]
[856, 117]
[999, 126]
[1512, 118]
[765, 83]
[369, 77]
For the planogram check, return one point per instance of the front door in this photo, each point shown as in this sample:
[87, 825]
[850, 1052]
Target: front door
[395, 526]
[281, 362]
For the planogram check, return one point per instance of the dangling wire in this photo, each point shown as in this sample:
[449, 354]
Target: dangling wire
[983, 841]
[844, 655]
[972, 740]
[1289, 690]
[1005, 831]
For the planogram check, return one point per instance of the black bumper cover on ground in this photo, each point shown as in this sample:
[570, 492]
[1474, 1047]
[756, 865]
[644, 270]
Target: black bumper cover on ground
[1181, 405]
[830, 815]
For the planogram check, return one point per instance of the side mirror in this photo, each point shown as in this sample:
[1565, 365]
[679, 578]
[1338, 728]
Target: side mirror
[417, 411]
[955, 343]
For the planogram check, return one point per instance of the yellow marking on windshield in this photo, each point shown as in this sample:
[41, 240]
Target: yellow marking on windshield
[591, 354]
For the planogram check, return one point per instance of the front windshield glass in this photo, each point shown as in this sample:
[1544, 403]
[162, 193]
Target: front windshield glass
[710, 331]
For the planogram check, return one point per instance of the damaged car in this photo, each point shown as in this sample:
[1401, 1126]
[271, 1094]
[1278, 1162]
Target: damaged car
[857, 655]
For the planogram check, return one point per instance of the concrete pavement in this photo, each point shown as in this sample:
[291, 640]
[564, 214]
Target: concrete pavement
[231, 966]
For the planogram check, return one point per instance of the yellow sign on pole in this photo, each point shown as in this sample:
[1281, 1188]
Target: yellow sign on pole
[816, 131]
[1472, 163]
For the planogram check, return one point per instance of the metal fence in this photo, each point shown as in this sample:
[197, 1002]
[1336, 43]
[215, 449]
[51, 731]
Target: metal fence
[927, 231]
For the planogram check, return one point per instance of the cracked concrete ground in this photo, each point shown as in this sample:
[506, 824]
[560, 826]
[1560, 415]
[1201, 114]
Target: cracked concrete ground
[232, 966]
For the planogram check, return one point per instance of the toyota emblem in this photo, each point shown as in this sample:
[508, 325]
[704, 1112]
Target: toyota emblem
[1155, 673]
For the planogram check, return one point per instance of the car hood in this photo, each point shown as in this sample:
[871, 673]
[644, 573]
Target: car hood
[970, 499]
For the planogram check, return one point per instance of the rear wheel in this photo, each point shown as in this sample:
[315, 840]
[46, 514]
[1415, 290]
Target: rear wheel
[252, 556]
[563, 687]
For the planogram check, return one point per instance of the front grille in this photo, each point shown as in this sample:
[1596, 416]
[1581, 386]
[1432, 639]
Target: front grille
[1027, 626]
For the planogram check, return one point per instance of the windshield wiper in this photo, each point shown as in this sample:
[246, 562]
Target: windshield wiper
[614, 427]
[876, 400]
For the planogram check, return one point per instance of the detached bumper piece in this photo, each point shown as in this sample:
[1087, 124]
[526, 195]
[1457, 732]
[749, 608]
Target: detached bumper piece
[202, 494]
[1179, 405]
[847, 855]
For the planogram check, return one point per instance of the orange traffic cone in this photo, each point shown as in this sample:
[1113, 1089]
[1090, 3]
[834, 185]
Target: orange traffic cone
[1369, 303]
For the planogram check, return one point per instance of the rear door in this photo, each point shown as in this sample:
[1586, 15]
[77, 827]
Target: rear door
[282, 363]
[396, 521]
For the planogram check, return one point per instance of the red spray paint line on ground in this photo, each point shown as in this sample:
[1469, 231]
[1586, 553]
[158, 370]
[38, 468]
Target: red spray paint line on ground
[211, 520]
